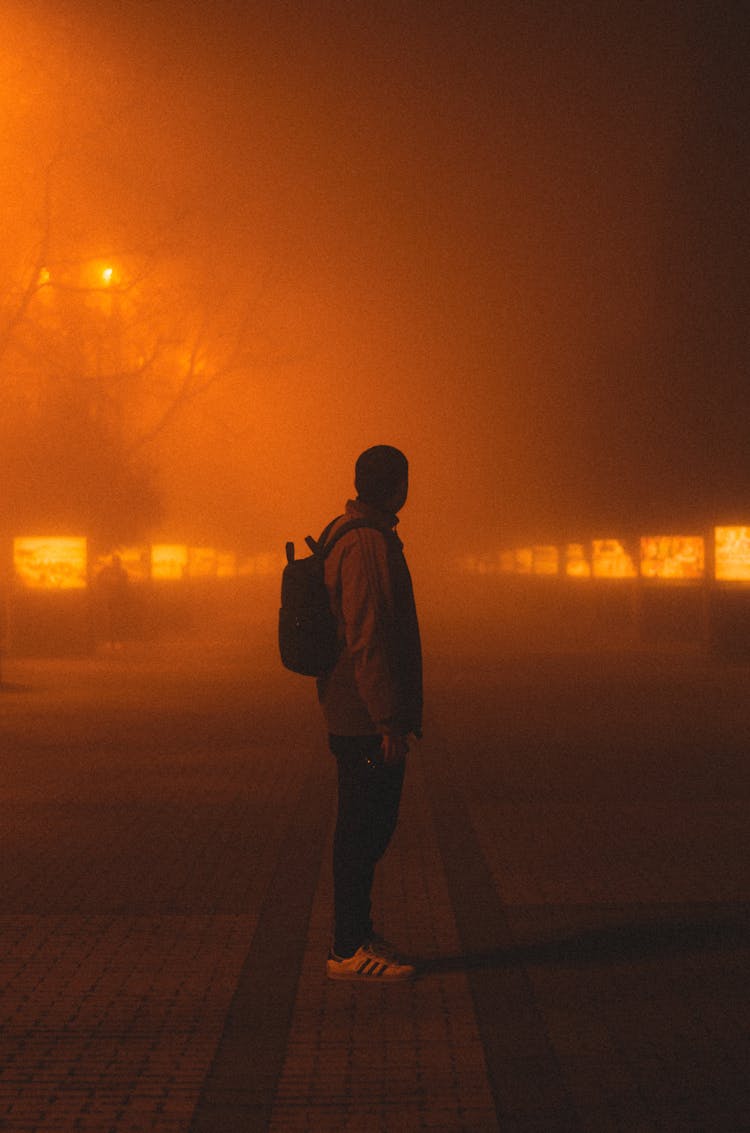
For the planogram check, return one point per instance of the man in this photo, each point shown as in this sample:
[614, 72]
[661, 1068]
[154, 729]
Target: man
[372, 702]
[113, 585]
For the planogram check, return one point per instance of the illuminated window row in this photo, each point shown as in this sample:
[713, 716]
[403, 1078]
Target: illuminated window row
[64, 563]
[675, 557]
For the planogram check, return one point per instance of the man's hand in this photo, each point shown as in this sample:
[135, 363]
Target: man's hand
[394, 749]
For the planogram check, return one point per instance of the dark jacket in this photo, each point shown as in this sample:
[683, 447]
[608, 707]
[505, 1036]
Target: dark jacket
[376, 685]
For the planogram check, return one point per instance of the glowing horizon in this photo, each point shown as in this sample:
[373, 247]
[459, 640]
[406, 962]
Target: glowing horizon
[732, 554]
[51, 562]
[672, 556]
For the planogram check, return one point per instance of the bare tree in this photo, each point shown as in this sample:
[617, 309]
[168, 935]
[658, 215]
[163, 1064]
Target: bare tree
[99, 360]
[108, 332]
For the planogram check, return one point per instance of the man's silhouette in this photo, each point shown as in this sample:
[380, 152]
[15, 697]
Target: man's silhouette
[114, 587]
[372, 702]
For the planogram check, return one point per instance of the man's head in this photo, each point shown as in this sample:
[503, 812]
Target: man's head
[381, 477]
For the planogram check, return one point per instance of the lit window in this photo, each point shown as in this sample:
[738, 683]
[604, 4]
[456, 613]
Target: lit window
[611, 560]
[169, 560]
[732, 551]
[672, 556]
[50, 562]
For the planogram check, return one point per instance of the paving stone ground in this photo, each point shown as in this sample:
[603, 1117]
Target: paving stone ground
[570, 869]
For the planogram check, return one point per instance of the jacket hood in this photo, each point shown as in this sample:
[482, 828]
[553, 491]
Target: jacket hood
[358, 509]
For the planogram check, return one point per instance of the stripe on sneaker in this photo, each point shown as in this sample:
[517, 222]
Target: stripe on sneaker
[371, 967]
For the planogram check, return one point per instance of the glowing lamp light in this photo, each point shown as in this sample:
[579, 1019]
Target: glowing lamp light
[201, 562]
[50, 562]
[545, 560]
[732, 554]
[169, 561]
[507, 562]
[97, 275]
[524, 560]
[611, 560]
[577, 564]
[672, 556]
[265, 563]
[226, 564]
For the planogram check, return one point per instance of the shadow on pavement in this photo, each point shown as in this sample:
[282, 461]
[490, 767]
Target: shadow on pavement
[638, 940]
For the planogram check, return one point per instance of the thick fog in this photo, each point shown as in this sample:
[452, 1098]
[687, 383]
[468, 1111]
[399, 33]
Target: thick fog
[505, 238]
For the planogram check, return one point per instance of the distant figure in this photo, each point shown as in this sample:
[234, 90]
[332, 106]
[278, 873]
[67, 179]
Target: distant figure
[114, 588]
[372, 702]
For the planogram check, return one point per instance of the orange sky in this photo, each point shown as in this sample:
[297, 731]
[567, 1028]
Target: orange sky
[479, 235]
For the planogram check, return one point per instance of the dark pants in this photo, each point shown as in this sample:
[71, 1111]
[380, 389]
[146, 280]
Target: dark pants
[369, 797]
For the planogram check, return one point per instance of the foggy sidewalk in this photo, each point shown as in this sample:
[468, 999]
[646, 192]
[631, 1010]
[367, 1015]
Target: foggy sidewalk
[570, 869]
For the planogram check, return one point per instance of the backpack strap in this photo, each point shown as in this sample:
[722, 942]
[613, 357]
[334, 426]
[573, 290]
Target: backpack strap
[317, 546]
[325, 548]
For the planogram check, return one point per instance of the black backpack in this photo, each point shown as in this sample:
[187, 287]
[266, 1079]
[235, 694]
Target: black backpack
[308, 640]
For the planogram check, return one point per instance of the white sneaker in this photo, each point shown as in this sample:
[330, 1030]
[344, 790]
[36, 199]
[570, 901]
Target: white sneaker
[367, 964]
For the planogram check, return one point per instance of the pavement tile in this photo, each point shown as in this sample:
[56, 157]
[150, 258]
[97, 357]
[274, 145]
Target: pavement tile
[138, 1030]
[607, 805]
[388, 1058]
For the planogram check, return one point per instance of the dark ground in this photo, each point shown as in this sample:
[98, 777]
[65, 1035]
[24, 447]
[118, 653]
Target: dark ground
[571, 869]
